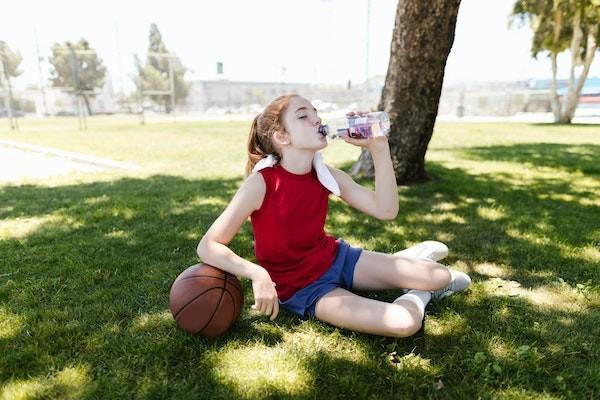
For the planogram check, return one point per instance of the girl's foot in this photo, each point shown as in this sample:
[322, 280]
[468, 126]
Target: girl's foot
[459, 283]
[429, 250]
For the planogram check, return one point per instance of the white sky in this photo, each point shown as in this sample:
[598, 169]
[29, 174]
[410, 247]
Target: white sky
[314, 40]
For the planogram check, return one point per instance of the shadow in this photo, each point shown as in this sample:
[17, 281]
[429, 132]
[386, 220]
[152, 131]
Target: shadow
[577, 126]
[584, 158]
[88, 283]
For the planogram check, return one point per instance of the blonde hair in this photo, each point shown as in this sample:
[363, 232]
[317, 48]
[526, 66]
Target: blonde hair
[265, 124]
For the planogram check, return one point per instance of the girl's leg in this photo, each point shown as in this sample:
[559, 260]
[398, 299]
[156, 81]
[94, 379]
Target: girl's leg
[379, 271]
[347, 310]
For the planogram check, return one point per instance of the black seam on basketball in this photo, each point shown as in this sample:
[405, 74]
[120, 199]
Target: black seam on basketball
[192, 300]
[216, 308]
[232, 300]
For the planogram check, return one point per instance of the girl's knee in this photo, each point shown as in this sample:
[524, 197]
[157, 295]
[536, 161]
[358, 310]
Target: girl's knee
[404, 322]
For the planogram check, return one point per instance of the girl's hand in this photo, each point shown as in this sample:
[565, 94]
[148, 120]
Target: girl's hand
[265, 295]
[371, 144]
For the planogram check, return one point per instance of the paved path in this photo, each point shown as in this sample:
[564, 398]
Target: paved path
[20, 160]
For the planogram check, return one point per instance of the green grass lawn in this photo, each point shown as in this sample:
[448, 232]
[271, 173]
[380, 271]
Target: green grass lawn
[87, 261]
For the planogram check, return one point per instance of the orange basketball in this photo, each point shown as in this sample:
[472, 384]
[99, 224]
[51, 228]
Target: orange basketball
[205, 300]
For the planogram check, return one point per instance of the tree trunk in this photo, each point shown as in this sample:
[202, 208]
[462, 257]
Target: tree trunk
[575, 89]
[422, 39]
[554, 98]
[87, 104]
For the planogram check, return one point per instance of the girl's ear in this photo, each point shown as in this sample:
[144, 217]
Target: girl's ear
[281, 138]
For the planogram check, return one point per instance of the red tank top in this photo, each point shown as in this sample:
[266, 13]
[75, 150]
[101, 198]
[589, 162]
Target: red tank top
[289, 236]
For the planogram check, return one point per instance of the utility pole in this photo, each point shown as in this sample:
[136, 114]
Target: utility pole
[367, 40]
[42, 82]
[172, 84]
[120, 63]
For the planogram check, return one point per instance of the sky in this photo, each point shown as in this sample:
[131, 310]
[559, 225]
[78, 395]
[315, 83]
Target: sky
[313, 41]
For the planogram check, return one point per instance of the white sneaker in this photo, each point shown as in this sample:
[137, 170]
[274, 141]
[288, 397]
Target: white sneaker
[460, 282]
[429, 250]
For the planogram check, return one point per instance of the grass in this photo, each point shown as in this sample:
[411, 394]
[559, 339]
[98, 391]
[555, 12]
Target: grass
[88, 260]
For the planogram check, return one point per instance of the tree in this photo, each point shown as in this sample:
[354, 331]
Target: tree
[156, 73]
[560, 25]
[11, 60]
[77, 68]
[422, 38]
[9, 68]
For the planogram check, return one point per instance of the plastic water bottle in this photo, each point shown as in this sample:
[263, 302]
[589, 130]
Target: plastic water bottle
[364, 126]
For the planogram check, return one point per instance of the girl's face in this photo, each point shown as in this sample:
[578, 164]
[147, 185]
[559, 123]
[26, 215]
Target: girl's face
[302, 125]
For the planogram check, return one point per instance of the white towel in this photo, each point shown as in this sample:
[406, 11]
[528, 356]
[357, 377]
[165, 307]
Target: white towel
[323, 172]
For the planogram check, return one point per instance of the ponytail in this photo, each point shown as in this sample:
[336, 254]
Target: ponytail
[255, 150]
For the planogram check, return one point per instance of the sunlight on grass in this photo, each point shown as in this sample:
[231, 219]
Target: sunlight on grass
[19, 228]
[413, 363]
[258, 368]
[285, 367]
[529, 236]
[492, 270]
[11, 324]
[450, 324]
[591, 253]
[522, 394]
[491, 213]
[148, 321]
[444, 206]
[440, 218]
[118, 234]
[96, 200]
[70, 383]
[497, 347]
[561, 298]
[444, 237]
[310, 341]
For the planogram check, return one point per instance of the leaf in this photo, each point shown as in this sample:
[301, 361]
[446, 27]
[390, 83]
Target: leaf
[496, 367]
[524, 348]
[479, 357]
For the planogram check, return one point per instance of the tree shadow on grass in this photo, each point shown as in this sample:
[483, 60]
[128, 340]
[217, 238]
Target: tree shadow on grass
[584, 158]
[88, 284]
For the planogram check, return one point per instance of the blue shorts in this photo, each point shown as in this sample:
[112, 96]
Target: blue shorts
[340, 274]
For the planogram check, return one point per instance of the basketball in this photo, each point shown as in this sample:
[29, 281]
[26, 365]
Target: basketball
[205, 300]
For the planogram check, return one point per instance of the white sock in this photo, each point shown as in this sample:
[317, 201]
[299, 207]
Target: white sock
[419, 297]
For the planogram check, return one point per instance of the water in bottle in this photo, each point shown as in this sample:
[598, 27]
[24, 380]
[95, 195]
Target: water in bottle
[363, 126]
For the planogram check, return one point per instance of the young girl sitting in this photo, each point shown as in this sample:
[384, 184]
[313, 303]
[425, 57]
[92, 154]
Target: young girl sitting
[303, 269]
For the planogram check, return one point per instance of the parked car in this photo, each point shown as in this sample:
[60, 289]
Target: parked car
[15, 113]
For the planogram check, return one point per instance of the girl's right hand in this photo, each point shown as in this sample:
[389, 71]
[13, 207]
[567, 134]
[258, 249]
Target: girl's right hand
[265, 295]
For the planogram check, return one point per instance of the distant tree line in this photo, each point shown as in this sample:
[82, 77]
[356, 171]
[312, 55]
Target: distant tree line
[77, 68]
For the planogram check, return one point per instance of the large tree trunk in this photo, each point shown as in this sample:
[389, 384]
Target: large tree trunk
[422, 39]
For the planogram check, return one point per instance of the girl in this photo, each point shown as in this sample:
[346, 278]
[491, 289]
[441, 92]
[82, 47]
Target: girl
[301, 268]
